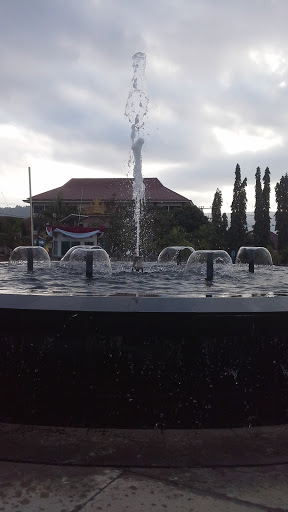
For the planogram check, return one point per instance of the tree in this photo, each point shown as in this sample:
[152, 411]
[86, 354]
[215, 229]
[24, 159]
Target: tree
[58, 210]
[54, 213]
[196, 228]
[189, 218]
[258, 211]
[238, 228]
[224, 224]
[120, 236]
[217, 228]
[201, 238]
[261, 231]
[13, 232]
[281, 215]
[159, 229]
[266, 208]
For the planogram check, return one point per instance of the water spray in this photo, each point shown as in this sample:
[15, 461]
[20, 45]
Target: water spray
[136, 110]
[89, 264]
[30, 259]
[210, 269]
[251, 261]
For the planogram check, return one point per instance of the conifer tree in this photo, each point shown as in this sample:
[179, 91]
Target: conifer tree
[217, 220]
[281, 215]
[224, 230]
[266, 208]
[224, 223]
[258, 211]
[261, 231]
[238, 228]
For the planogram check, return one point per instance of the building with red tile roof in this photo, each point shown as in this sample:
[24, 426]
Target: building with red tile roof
[90, 196]
[83, 191]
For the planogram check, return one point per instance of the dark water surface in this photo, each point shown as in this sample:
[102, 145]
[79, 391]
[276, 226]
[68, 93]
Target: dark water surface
[160, 280]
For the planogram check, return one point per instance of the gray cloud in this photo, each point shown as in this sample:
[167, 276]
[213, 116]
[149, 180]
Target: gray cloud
[66, 70]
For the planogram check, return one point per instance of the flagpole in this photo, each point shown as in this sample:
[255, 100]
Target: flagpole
[31, 206]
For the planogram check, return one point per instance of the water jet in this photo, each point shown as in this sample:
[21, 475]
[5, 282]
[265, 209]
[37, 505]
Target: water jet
[137, 263]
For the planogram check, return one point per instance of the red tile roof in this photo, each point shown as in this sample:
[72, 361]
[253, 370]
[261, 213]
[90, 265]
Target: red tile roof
[107, 189]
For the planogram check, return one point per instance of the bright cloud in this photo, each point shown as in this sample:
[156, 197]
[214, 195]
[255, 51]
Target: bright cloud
[163, 66]
[240, 141]
[269, 61]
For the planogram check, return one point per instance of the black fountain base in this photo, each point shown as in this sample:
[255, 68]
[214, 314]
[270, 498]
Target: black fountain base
[141, 362]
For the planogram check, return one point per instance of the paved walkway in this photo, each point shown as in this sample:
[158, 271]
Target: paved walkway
[45, 469]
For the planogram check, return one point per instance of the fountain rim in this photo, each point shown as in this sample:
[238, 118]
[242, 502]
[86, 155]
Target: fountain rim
[144, 304]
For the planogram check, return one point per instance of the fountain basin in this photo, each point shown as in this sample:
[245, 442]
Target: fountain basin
[140, 362]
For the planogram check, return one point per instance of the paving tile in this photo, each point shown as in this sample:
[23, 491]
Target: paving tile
[40, 488]
[265, 486]
[135, 493]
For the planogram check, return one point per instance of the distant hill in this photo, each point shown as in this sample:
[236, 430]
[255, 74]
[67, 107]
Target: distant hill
[251, 221]
[23, 212]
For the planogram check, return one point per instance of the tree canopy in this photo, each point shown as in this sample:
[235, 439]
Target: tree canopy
[238, 228]
[219, 222]
[281, 191]
[266, 207]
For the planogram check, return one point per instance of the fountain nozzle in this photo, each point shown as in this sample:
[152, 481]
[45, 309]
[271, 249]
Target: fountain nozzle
[137, 263]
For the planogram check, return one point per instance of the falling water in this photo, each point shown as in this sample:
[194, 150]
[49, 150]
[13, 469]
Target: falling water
[136, 110]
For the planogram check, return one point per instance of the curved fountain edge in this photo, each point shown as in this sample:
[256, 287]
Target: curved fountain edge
[144, 304]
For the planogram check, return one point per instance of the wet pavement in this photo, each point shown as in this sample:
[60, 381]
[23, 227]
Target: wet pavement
[68, 470]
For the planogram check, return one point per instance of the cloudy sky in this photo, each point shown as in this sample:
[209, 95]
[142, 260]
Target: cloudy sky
[216, 76]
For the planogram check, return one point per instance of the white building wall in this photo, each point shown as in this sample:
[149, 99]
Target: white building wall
[62, 243]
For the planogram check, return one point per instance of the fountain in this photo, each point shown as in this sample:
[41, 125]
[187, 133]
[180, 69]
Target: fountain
[30, 255]
[177, 254]
[202, 344]
[257, 255]
[95, 261]
[208, 261]
[65, 259]
[136, 110]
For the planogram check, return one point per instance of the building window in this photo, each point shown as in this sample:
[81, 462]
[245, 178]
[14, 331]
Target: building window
[38, 208]
[65, 246]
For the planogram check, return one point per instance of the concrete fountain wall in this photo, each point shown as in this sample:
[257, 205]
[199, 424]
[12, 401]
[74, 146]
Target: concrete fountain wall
[144, 361]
